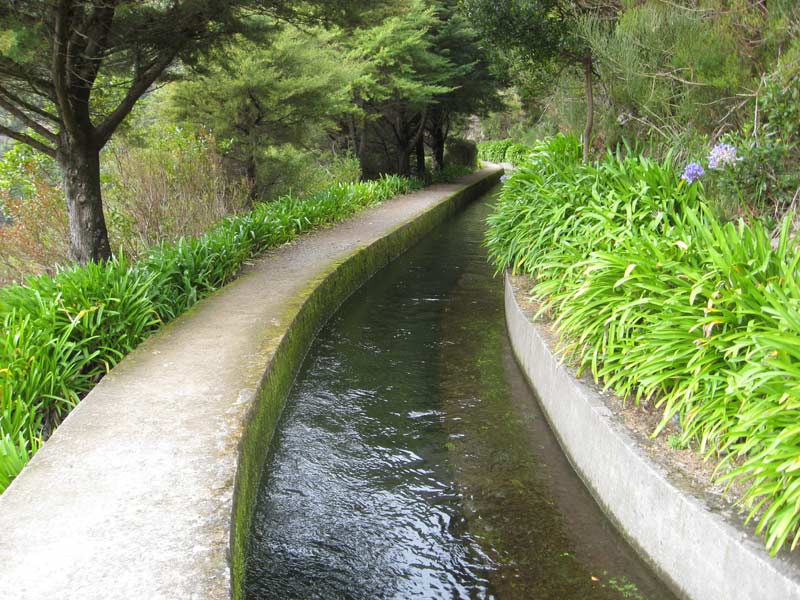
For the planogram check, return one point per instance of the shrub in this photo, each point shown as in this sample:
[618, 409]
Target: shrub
[516, 154]
[35, 238]
[663, 302]
[172, 186]
[461, 152]
[298, 172]
[493, 151]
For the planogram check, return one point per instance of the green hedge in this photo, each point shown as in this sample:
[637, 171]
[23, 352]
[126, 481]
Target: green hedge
[62, 334]
[504, 151]
[663, 302]
[516, 154]
[493, 151]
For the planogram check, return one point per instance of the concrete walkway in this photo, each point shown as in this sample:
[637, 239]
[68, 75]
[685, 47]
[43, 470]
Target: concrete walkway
[133, 495]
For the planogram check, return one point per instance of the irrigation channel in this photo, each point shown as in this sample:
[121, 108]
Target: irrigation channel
[412, 460]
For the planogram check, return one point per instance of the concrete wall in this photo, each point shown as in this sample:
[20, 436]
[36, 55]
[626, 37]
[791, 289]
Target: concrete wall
[702, 554]
[147, 489]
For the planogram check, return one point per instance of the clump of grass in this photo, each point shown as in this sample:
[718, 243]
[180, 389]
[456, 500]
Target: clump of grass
[61, 334]
[662, 302]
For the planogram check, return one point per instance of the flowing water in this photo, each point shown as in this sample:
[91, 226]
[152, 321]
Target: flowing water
[412, 460]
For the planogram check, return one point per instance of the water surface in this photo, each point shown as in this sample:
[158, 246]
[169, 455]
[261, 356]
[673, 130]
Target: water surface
[412, 460]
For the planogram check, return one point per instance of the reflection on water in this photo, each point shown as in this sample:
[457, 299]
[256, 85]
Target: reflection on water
[412, 460]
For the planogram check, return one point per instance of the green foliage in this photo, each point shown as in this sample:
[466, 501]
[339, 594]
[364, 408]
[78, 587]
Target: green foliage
[61, 334]
[533, 32]
[762, 184]
[505, 151]
[516, 154]
[17, 165]
[663, 302]
[781, 104]
[669, 67]
[408, 76]
[447, 174]
[676, 76]
[399, 60]
[494, 151]
[460, 152]
[258, 97]
[299, 172]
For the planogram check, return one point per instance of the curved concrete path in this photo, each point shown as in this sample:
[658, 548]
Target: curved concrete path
[146, 490]
[704, 554]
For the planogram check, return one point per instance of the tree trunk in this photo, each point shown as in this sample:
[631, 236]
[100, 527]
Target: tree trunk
[587, 132]
[403, 162]
[437, 146]
[88, 236]
[251, 173]
[420, 156]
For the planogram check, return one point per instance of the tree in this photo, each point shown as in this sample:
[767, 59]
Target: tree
[402, 77]
[60, 58]
[543, 35]
[474, 84]
[289, 91]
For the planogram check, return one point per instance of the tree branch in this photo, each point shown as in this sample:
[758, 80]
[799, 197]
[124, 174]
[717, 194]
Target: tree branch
[25, 118]
[15, 71]
[59, 68]
[104, 131]
[26, 139]
[28, 106]
[94, 46]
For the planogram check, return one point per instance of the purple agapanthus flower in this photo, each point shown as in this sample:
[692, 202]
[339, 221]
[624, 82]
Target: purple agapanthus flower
[693, 172]
[504, 177]
[722, 155]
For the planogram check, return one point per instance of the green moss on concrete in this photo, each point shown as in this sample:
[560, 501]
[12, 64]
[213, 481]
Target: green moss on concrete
[306, 315]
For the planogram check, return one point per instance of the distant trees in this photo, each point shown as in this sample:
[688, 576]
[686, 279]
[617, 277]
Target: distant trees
[422, 66]
[475, 83]
[544, 36]
[72, 70]
[402, 76]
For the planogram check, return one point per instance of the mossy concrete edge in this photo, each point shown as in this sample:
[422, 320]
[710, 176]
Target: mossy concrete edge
[311, 309]
[700, 553]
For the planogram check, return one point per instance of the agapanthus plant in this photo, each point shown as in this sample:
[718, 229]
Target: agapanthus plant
[693, 172]
[723, 155]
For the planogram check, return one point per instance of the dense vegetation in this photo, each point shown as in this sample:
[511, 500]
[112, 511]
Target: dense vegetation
[671, 78]
[666, 304]
[278, 90]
